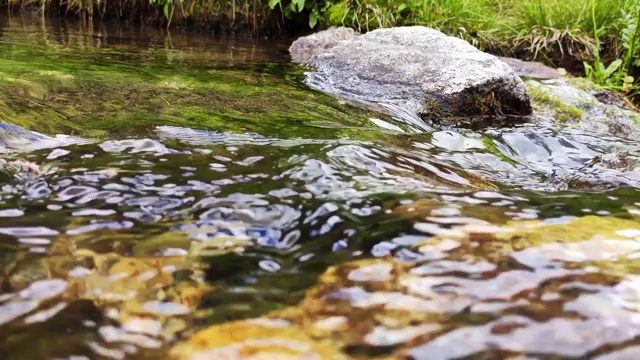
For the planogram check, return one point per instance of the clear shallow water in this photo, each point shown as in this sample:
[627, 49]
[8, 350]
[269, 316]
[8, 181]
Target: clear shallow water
[217, 188]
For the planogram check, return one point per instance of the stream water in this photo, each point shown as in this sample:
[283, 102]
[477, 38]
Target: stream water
[214, 187]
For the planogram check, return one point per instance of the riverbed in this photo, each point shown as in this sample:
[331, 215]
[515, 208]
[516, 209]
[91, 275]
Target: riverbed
[210, 190]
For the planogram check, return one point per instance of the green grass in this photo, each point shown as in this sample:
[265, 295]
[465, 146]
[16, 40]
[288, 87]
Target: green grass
[460, 17]
[529, 28]
[543, 26]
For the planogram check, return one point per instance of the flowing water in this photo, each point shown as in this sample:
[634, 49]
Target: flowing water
[211, 187]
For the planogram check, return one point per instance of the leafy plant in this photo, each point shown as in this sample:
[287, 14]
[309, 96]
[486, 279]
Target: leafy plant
[168, 7]
[291, 7]
[630, 37]
[615, 76]
[363, 15]
[603, 75]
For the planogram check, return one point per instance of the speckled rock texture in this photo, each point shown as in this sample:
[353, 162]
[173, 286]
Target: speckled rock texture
[415, 68]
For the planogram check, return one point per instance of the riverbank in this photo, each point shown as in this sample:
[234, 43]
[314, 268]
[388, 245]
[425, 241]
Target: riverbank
[552, 30]
[597, 34]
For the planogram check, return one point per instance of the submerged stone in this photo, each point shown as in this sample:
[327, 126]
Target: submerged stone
[414, 68]
[459, 306]
[142, 298]
[254, 339]
[599, 123]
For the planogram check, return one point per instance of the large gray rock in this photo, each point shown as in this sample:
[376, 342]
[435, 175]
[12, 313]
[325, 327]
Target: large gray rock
[414, 68]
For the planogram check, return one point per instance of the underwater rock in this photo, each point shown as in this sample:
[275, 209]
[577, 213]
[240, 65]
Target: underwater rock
[412, 68]
[606, 171]
[437, 309]
[20, 169]
[254, 339]
[145, 300]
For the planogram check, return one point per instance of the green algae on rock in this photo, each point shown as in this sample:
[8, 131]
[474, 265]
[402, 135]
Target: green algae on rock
[543, 101]
[577, 105]
[81, 91]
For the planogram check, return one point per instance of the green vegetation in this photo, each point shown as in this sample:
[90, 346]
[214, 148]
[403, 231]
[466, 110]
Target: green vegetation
[616, 76]
[80, 90]
[601, 33]
[533, 27]
[600, 37]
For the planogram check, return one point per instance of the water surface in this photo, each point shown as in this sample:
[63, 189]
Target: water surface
[215, 187]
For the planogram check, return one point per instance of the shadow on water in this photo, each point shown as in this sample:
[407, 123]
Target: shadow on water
[216, 187]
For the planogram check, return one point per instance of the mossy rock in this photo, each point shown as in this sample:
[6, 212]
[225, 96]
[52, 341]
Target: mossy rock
[579, 105]
[545, 101]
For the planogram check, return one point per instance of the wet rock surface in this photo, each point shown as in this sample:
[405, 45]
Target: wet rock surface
[574, 106]
[578, 104]
[415, 68]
